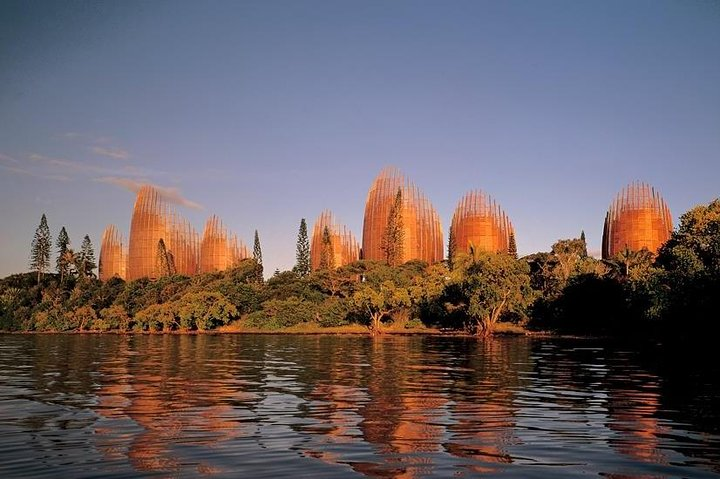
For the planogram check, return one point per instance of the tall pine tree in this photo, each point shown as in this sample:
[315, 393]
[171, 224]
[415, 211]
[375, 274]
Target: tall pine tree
[40, 249]
[452, 249]
[392, 239]
[302, 254]
[61, 263]
[257, 256]
[582, 238]
[164, 260]
[512, 245]
[327, 253]
[86, 258]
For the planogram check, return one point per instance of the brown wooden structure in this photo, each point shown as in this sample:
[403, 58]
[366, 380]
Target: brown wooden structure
[423, 236]
[479, 221]
[153, 220]
[113, 257]
[219, 249]
[345, 249]
[638, 218]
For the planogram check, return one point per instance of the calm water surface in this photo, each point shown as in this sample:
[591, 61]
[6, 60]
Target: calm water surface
[343, 406]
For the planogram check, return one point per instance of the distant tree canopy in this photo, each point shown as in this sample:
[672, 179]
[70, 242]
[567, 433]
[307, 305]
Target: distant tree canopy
[562, 290]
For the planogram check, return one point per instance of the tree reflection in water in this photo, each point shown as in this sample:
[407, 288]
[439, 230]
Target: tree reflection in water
[398, 406]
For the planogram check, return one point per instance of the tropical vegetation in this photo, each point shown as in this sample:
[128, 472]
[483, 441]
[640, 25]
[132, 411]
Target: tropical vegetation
[563, 290]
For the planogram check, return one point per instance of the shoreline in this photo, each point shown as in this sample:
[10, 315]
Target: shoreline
[528, 334]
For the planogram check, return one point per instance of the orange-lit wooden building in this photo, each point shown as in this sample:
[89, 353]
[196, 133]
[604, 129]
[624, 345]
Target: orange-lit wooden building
[344, 249]
[153, 220]
[638, 218]
[113, 257]
[219, 250]
[423, 236]
[479, 220]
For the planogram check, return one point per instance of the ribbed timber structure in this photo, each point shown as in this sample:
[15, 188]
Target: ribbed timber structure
[113, 257]
[219, 250]
[423, 237]
[479, 220]
[153, 220]
[638, 218]
[344, 249]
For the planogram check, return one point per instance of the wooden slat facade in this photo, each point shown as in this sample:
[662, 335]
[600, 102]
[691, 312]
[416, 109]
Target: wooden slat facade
[423, 238]
[637, 218]
[479, 220]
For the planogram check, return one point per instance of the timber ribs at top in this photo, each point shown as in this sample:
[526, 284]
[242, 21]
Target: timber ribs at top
[161, 242]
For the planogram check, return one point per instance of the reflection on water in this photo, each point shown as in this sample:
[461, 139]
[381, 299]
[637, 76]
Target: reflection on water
[328, 406]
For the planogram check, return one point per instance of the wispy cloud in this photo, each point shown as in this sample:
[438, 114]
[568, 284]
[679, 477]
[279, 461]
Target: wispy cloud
[8, 159]
[34, 174]
[110, 152]
[171, 194]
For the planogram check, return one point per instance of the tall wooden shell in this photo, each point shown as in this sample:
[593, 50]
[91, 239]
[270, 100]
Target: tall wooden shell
[345, 249]
[479, 220]
[423, 238]
[113, 258]
[153, 220]
[219, 250]
[638, 218]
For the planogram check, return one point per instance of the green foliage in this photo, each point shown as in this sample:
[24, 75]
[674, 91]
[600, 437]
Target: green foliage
[113, 317]
[302, 253]
[62, 264]
[452, 249]
[512, 246]
[327, 254]
[394, 234]
[40, 249]
[562, 290]
[257, 257]
[85, 259]
[282, 313]
[689, 279]
[486, 286]
[378, 301]
[204, 310]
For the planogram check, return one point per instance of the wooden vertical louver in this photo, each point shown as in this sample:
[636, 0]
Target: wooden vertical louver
[113, 257]
[345, 249]
[638, 218]
[153, 220]
[479, 220]
[219, 250]
[423, 237]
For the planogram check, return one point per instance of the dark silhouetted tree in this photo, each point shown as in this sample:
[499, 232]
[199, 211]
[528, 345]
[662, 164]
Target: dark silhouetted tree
[61, 264]
[164, 260]
[452, 249]
[86, 258]
[40, 249]
[512, 246]
[257, 257]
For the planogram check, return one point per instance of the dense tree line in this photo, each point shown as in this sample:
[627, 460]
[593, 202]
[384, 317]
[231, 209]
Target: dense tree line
[562, 290]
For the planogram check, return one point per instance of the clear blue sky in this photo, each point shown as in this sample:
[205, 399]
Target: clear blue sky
[265, 112]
